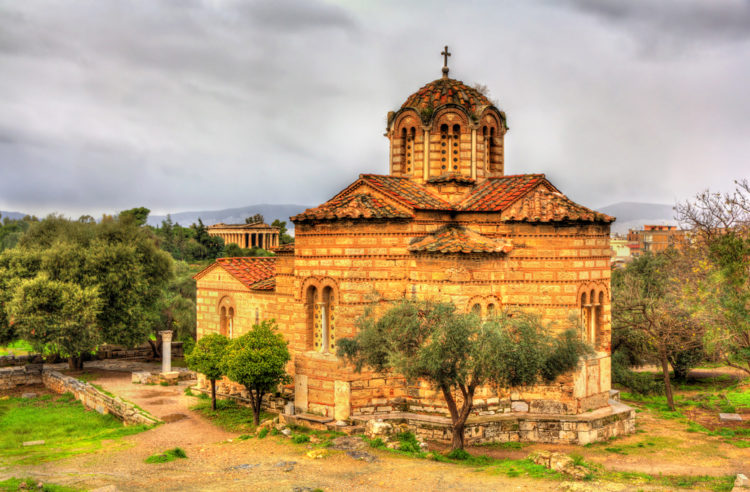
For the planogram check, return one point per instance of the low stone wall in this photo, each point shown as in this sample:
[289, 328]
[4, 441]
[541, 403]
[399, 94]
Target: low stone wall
[105, 353]
[599, 425]
[12, 377]
[95, 399]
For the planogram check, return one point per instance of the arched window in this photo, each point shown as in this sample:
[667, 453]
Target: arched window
[444, 146]
[491, 151]
[486, 148]
[328, 317]
[476, 309]
[410, 149]
[599, 320]
[223, 321]
[402, 149]
[490, 310]
[226, 316]
[312, 311]
[455, 147]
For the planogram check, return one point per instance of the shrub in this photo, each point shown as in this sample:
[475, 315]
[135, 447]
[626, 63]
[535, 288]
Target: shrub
[458, 454]
[299, 439]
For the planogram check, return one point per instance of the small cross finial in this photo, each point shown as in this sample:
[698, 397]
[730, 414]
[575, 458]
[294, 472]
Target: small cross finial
[445, 54]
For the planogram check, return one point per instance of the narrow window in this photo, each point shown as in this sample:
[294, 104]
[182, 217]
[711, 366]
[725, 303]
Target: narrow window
[313, 319]
[223, 321]
[326, 316]
[257, 316]
[456, 146]
[476, 309]
[230, 322]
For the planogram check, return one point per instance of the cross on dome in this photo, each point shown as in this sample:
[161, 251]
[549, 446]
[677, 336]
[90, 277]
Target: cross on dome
[445, 54]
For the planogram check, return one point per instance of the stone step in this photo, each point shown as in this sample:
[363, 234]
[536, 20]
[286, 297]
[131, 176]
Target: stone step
[314, 418]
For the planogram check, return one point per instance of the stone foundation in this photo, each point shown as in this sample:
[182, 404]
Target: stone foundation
[228, 389]
[12, 377]
[166, 378]
[598, 425]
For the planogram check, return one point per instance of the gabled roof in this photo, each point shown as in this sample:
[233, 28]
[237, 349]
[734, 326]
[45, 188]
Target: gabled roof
[355, 206]
[452, 177]
[250, 270]
[367, 198]
[454, 238]
[495, 194]
[545, 205]
[405, 190]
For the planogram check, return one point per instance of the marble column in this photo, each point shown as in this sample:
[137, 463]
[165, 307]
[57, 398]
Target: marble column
[166, 350]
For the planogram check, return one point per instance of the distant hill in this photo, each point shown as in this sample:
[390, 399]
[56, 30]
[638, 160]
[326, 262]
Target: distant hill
[12, 215]
[233, 215]
[633, 215]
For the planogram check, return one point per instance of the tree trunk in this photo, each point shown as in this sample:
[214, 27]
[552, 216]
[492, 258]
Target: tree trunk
[154, 348]
[458, 419]
[667, 382]
[256, 402]
[213, 395]
[75, 363]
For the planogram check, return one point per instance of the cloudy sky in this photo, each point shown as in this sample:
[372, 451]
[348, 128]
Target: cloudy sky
[210, 104]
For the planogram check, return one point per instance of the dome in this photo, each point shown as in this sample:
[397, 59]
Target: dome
[447, 91]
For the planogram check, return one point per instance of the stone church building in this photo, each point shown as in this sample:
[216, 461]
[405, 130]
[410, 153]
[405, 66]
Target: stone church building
[445, 223]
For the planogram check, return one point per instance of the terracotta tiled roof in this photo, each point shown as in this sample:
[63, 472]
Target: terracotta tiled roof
[495, 194]
[284, 248]
[354, 206]
[544, 205]
[454, 238]
[407, 191]
[452, 177]
[249, 270]
[266, 284]
[446, 91]
[255, 225]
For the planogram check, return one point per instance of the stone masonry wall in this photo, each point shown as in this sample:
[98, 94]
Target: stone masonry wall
[12, 377]
[92, 398]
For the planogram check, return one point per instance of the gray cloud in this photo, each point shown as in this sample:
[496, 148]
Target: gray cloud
[670, 27]
[223, 103]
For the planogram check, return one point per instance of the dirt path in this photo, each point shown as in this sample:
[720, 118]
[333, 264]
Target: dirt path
[216, 463]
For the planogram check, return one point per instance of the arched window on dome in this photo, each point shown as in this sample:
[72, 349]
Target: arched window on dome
[410, 141]
[486, 148]
[491, 145]
[444, 145]
[455, 147]
[402, 150]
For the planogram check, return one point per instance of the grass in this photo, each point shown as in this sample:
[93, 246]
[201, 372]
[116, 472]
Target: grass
[62, 422]
[167, 456]
[229, 415]
[13, 484]
[19, 347]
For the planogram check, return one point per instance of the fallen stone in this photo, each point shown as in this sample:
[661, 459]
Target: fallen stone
[730, 417]
[33, 443]
[286, 431]
[375, 428]
[742, 481]
[29, 395]
[362, 456]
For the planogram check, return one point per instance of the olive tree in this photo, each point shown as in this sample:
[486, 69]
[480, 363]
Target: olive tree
[458, 352]
[206, 358]
[257, 360]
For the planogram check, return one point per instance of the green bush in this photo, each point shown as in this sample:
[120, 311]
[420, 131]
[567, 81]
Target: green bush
[642, 383]
[408, 442]
[167, 456]
[458, 454]
[299, 439]
[263, 433]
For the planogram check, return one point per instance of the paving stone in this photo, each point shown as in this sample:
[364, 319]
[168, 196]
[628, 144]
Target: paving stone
[362, 456]
[33, 443]
[730, 417]
[29, 395]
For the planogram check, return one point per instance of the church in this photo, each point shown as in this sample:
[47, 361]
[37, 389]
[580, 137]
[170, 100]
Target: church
[445, 223]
